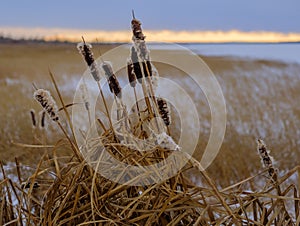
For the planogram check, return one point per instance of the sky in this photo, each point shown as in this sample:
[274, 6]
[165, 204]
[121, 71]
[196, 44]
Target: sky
[177, 16]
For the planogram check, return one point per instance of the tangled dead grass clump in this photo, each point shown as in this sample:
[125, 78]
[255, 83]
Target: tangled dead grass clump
[72, 193]
[69, 191]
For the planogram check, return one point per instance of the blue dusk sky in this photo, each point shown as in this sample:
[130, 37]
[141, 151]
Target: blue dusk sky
[254, 15]
[171, 21]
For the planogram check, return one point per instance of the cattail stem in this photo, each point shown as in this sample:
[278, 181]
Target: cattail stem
[101, 124]
[146, 96]
[138, 108]
[168, 131]
[155, 106]
[85, 99]
[89, 116]
[149, 95]
[106, 108]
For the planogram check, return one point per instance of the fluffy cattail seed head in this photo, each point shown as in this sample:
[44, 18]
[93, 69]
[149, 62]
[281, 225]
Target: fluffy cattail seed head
[136, 65]
[139, 39]
[47, 102]
[113, 82]
[137, 29]
[164, 110]
[130, 73]
[142, 50]
[266, 158]
[85, 49]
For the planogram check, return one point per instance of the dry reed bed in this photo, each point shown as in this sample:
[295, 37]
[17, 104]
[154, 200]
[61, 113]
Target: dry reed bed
[72, 193]
[68, 191]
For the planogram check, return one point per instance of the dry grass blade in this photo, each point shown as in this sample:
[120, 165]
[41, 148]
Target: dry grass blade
[62, 102]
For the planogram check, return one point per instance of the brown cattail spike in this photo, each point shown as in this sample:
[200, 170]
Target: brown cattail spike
[47, 102]
[164, 111]
[113, 82]
[147, 68]
[139, 39]
[26, 185]
[266, 158]
[131, 74]
[43, 119]
[33, 120]
[142, 50]
[136, 65]
[137, 29]
[85, 49]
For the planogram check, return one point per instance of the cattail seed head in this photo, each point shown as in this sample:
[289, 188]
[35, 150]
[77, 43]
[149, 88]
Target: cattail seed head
[266, 158]
[43, 119]
[137, 29]
[95, 71]
[136, 65]
[85, 49]
[26, 185]
[164, 111]
[47, 102]
[112, 80]
[130, 73]
[147, 68]
[33, 119]
[142, 50]
[139, 39]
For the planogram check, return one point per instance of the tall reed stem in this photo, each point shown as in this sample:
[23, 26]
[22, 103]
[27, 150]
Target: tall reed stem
[106, 108]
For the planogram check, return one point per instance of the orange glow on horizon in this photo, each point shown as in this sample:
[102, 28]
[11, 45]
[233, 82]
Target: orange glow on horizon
[74, 35]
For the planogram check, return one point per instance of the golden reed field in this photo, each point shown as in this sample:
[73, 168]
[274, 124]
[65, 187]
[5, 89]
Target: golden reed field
[262, 102]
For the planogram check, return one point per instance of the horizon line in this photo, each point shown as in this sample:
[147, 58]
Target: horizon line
[124, 36]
